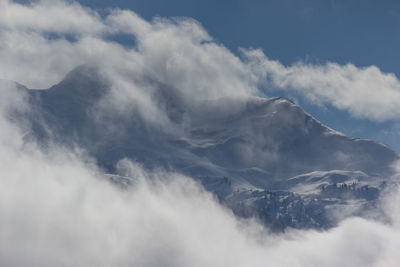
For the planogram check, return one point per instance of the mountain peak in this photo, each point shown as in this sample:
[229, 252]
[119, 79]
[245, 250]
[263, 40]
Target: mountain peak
[236, 148]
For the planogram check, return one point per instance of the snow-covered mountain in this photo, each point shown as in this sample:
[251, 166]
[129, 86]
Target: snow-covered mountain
[261, 157]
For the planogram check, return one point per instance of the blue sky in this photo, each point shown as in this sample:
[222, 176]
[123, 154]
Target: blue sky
[363, 33]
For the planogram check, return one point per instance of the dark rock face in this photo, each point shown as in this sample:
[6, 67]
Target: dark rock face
[257, 156]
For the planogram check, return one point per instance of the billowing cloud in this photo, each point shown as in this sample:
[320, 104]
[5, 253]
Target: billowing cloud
[177, 54]
[53, 37]
[50, 16]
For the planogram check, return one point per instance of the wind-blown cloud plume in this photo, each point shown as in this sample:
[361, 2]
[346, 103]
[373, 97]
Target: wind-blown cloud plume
[365, 93]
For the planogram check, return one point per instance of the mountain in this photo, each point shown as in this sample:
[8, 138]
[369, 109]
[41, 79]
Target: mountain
[261, 157]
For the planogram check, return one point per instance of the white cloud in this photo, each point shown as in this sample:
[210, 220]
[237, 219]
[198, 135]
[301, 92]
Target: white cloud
[366, 93]
[53, 37]
[50, 16]
[177, 54]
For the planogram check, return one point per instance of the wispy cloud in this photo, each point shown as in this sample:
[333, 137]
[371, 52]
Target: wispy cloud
[365, 93]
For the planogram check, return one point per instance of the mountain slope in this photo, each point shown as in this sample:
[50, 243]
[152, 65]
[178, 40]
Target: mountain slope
[258, 155]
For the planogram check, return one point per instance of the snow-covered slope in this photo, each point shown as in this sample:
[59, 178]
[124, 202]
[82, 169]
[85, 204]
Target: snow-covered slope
[263, 157]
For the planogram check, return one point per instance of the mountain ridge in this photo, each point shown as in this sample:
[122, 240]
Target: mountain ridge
[238, 149]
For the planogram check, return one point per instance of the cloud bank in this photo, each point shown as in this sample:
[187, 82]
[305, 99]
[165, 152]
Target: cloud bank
[56, 207]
